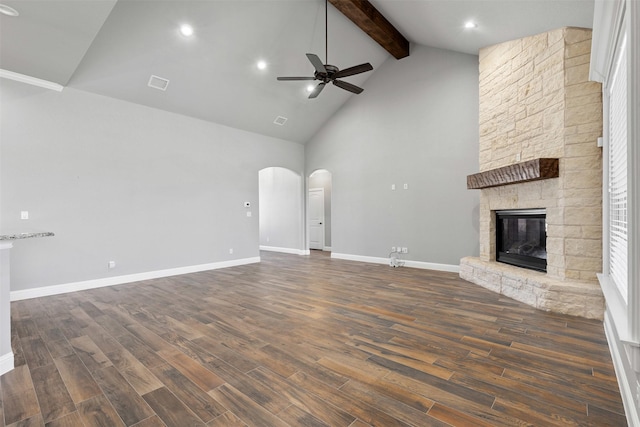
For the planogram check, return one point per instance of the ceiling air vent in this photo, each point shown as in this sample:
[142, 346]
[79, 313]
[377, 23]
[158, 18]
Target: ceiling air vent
[280, 120]
[158, 83]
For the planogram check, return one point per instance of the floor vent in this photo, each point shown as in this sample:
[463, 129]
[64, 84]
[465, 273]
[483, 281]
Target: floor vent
[158, 82]
[280, 120]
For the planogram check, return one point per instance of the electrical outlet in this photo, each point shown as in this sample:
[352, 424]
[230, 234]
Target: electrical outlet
[231, 251]
[112, 264]
[393, 249]
[24, 214]
[405, 250]
[406, 186]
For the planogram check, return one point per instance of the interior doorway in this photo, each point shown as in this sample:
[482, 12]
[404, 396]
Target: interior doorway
[280, 192]
[319, 196]
[316, 218]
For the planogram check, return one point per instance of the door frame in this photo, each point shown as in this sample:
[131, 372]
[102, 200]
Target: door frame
[321, 191]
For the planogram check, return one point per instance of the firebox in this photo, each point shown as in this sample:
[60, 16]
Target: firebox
[521, 238]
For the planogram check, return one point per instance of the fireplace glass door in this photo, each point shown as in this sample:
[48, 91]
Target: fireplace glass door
[521, 238]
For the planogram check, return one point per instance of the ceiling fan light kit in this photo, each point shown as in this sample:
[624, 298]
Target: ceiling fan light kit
[327, 73]
[8, 10]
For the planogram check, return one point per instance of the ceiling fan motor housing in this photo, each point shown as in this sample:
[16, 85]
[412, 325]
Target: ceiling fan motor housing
[326, 77]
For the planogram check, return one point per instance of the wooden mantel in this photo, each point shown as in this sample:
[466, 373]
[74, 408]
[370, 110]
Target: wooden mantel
[532, 170]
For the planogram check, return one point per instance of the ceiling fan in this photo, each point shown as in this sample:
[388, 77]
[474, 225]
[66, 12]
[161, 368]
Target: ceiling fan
[327, 73]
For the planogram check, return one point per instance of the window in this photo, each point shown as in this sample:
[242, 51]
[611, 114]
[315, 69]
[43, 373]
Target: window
[617, 147]
[615, 62]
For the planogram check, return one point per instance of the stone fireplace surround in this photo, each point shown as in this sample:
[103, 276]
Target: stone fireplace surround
[536, 102]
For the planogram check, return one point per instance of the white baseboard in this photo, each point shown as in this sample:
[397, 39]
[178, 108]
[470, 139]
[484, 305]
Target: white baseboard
[360, 258]
[119, 280]
[284, 250]
[433, 266]
[627, 380]
[6, 363]
[407, 263]
[327, 248]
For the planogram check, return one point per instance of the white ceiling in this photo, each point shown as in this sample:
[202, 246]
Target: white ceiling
[112, 47]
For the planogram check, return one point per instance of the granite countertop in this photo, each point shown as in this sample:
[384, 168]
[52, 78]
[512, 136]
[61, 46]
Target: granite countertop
[19, 236]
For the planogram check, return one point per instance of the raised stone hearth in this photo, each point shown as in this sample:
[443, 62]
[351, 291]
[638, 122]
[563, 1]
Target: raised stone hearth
[536, 103]
[537, 289]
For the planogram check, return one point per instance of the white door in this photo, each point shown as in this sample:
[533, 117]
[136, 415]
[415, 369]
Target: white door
[316, 218]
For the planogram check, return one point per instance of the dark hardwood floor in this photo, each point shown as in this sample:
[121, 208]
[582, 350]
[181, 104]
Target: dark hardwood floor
[304, 341]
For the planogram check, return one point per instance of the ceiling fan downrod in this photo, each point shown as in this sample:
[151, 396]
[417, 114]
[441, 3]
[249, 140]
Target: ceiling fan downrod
[327, 73]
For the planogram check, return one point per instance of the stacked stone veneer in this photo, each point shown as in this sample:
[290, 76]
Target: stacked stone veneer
[536, 101]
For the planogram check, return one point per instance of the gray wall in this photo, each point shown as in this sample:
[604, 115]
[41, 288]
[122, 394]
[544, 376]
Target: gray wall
[281, 208]
[415, 123]
[147, 189]
[153, 190]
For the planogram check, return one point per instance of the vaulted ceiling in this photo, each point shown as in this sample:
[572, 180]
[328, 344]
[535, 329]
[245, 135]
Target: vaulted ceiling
[112, 47]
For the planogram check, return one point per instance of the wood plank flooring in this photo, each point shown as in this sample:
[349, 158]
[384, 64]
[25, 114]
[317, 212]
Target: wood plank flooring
[304, 341]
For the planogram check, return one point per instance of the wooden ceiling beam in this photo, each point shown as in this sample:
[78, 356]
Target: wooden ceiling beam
[372, 22]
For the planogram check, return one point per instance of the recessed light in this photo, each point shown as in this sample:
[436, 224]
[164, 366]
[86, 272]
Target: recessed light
[470, 24]
[261, 65]
[186, 30]
[8, 10]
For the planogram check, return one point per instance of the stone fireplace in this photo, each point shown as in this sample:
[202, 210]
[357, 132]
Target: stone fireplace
[536, 106]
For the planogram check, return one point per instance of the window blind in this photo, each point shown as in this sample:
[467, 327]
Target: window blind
[618, 259]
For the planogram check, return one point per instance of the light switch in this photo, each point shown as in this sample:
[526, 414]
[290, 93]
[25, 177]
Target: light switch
[393, 186]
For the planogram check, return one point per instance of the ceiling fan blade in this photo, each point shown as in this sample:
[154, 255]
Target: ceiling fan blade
[285, 79]
[317, 63]
[362, 68]
[348, 86]
[317, 90]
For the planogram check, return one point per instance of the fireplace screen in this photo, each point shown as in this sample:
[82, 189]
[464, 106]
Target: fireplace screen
[521, 238]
